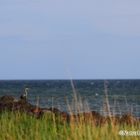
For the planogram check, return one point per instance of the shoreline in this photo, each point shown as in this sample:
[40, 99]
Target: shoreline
[8, 103]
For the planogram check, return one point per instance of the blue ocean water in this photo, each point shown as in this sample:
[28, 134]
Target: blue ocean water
[123, 95]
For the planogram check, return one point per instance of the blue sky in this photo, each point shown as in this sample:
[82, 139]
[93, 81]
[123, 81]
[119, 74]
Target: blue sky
[61, 39]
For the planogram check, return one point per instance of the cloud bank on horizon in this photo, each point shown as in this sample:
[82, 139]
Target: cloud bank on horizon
[43, 39]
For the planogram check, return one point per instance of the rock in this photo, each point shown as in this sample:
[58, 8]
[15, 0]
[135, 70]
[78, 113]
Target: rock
[55, 110]
[11, 104]
[128, 119]
[7, 99]
[46, 110]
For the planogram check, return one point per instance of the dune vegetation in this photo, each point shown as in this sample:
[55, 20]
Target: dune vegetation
[21, 126]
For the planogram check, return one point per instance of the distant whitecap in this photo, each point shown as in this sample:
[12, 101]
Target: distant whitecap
[96, 94]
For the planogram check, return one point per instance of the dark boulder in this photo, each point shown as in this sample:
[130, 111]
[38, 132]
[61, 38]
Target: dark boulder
[6, 99]
[10, 103]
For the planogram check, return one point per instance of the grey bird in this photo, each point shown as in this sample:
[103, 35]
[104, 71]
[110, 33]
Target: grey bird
[24, 95]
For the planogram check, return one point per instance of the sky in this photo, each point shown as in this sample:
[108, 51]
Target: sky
[63, 39]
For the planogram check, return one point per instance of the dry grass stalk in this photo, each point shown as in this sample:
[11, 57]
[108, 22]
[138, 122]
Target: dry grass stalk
[107, 105]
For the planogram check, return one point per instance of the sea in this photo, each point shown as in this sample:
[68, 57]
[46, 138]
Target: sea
[117, 96]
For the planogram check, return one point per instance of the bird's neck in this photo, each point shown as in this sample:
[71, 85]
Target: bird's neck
[26, 93]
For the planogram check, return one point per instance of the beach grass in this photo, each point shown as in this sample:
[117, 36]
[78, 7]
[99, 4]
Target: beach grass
[21, 126]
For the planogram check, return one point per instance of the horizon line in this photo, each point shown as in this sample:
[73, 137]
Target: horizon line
[70, 79]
